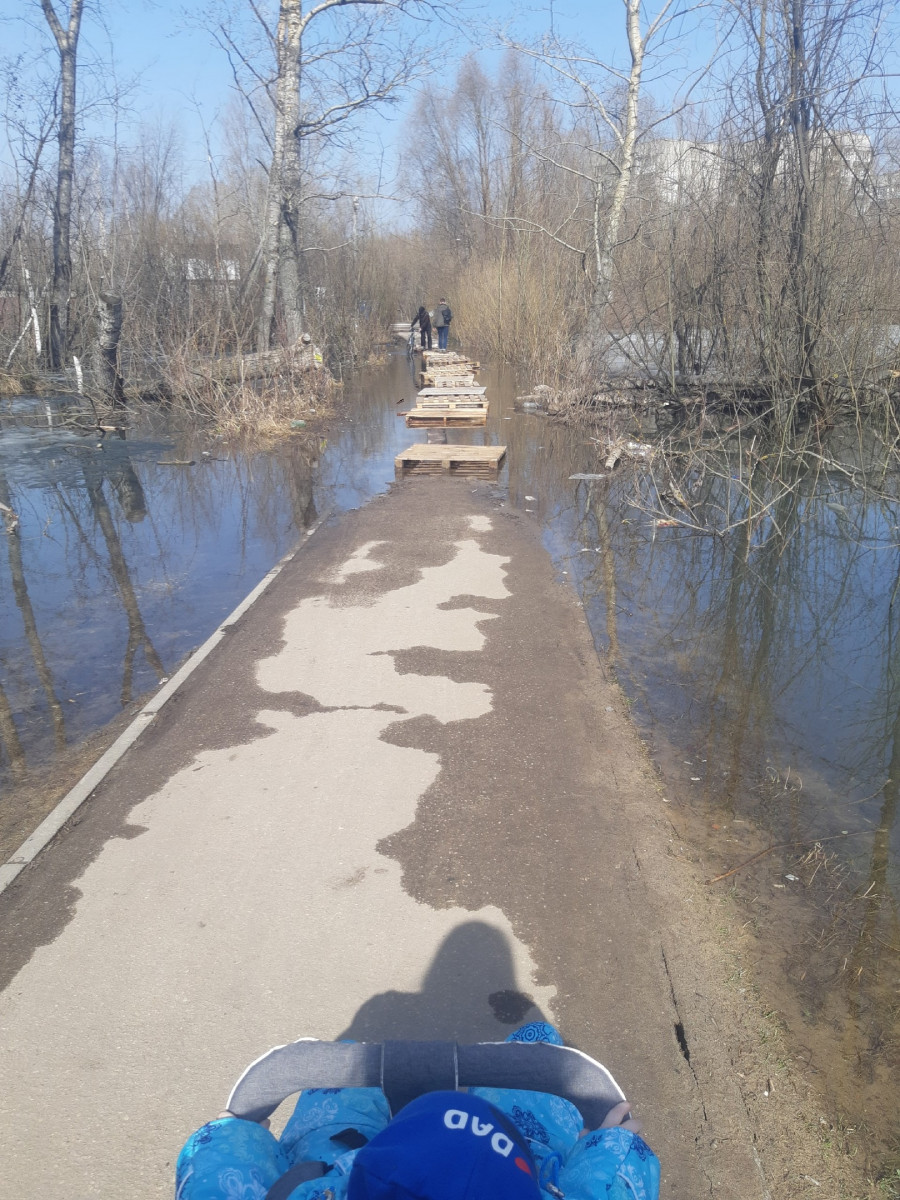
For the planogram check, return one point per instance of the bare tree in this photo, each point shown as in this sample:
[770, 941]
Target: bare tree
[606, 102]
[67, 46]
[802, 92]
[308, 77]
[31, 140]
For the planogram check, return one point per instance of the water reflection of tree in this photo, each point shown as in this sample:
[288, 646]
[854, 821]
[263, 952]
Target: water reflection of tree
[871, 969]
[9, 739]
[753, 610]
[754, 588]
[741, 630]
[754, 620]
[251, 485]
[243, 501]
[23, 602]
[131, 496]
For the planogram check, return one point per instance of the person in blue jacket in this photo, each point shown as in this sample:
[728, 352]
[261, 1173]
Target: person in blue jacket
[484, 1144]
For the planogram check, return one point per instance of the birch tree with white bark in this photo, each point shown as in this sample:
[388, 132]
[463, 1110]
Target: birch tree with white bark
[309, 75]
[605, 100]
[66, 38]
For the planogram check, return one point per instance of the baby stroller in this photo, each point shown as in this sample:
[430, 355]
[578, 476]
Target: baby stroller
[489, 1121]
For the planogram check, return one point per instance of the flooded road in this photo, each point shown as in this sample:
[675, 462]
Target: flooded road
[764, 674]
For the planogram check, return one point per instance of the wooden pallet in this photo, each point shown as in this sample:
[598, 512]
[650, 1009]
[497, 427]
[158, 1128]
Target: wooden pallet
[459, 368]
[468, 392]
[477, 405]
[440, 358]
[450, 460]
[438, 379]
[460, 363]
[421, 418]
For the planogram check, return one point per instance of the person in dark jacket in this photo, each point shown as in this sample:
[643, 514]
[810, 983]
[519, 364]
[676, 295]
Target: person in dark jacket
[443, 315]
[423, 320]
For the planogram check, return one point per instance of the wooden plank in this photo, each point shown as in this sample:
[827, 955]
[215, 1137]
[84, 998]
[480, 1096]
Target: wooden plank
[459, 403]
[464, 364]
[442, 450]
[437, 380]
[457, 391]
[421, 418]
[433, 459]
[434, 358]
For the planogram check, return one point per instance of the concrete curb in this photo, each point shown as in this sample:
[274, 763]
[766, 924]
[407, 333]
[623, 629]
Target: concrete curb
[72, 801]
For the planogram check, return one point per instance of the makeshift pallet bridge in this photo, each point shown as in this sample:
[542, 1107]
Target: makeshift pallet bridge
[449, 398]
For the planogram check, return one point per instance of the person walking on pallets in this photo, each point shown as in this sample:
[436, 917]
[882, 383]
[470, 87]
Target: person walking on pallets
[443, 315]
[423, 320]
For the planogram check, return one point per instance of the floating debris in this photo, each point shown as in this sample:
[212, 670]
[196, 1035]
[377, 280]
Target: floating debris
[10, 517]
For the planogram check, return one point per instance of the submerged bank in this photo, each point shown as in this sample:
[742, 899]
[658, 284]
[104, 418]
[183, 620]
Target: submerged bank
[764, 682]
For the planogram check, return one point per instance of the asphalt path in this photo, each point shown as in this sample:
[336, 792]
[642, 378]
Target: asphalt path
[401, 798]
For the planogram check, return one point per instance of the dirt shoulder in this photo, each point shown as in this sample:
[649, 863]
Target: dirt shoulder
[403, 797]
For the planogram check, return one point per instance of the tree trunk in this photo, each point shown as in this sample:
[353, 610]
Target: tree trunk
[284, 172]
[67, 44]
[239, 368]
[605, 230]
[107, 380]
[800, 117]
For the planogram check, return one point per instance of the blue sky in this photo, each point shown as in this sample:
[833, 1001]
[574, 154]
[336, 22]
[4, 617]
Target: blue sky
[180, 76]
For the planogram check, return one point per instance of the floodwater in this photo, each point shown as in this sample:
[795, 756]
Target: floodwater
[762, 664]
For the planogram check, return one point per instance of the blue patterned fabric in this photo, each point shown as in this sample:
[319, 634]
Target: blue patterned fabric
[537, 1031]
[549, 1123]
[229, 1160]
[239, 1160]
[323, 1113]
[611, 1163]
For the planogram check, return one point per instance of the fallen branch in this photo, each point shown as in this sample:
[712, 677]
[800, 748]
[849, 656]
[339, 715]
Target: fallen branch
[780, 846]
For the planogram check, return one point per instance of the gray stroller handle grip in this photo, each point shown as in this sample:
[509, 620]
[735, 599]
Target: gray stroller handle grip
[406, 1069]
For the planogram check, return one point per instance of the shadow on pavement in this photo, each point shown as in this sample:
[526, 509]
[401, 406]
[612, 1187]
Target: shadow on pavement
[469, 994]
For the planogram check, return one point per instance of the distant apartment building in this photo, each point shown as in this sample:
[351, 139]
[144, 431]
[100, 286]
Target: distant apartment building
[205, 270]
[682, 170]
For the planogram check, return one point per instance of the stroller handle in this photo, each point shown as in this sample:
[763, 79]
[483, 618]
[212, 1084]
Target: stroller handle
[407, 1069]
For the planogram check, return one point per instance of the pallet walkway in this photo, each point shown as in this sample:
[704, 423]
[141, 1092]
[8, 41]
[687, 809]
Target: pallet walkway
[433, 459]
[449, 398]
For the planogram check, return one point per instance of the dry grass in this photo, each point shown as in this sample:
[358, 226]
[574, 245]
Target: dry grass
[267, 405]
[269, 410]
[514, 311]
[26, 385]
